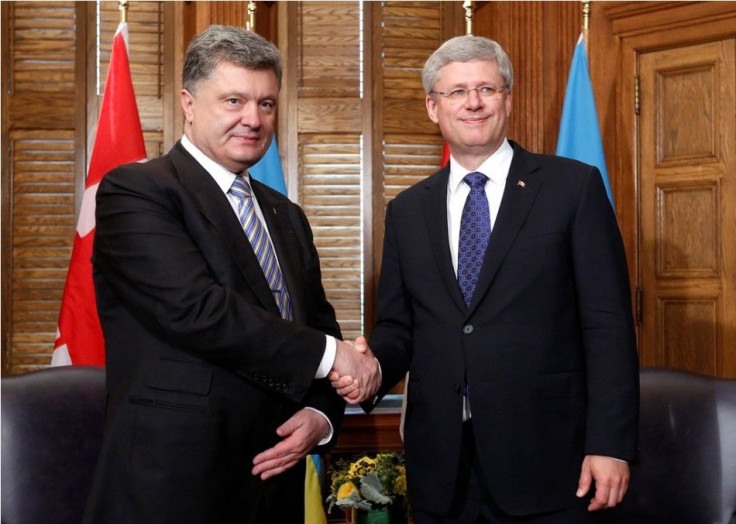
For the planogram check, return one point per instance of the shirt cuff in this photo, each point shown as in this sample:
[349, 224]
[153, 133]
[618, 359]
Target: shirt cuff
[327, 436]
[328, 357]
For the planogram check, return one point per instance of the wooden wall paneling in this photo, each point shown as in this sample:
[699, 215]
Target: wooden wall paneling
[172, 59]
[407, 144]
[198, 16]
[324, 108]
[372, 112]
[5, 190]
[51, 69]
[612, 67]
[288, 97]
[632, 31]
[39, 182]
[688, 183]
[539, 37]
[375, 200]
[147, 34]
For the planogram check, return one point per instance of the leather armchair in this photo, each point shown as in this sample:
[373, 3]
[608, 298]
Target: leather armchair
[52, 422]
[687, 452]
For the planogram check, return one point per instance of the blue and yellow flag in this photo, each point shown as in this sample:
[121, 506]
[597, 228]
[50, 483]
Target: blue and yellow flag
[268, 169]
[580, 136]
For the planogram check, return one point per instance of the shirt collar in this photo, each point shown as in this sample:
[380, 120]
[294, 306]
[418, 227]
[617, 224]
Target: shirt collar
[495, 167]
[222, 176]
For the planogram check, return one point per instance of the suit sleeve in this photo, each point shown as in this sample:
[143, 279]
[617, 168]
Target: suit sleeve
[321, 316]
[148, 250]
[391, 338]
[607, 325]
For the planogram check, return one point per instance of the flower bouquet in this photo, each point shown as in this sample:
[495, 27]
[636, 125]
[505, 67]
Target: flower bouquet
[370, 484]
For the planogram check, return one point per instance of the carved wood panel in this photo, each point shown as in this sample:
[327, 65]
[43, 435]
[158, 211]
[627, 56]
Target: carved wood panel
[688, 186]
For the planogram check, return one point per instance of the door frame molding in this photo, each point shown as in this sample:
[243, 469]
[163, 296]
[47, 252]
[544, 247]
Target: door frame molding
[620, 31]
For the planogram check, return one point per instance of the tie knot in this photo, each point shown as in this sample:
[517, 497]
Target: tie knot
[475, 180]
[241, 187]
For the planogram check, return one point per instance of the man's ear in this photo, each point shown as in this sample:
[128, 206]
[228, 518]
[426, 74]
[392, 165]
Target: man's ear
[431, 104]
[187, 104]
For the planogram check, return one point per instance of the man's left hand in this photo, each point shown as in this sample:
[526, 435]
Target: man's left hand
[300, 433]
[611, 481]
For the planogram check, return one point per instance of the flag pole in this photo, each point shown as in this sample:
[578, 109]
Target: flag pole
[250, 25]
[586, 22]
[468, 6]
[123, 7]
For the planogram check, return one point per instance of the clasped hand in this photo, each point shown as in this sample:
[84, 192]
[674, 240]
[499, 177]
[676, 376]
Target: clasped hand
[355, 374]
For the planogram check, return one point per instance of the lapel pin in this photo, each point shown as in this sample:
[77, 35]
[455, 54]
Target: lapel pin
[521, 183]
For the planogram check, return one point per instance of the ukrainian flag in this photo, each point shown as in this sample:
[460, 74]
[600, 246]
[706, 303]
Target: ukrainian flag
[580, 136]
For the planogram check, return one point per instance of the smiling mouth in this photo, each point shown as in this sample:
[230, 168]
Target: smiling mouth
[247, 139]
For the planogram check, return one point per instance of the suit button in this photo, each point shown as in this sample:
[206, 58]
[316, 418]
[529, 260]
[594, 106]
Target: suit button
[458, 388]
[468, 329]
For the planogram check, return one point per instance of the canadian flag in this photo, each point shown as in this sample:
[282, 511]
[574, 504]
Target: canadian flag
[445, 154]
[119, 140]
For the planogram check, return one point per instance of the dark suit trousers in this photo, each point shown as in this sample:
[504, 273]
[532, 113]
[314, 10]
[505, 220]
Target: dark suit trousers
[473, 503]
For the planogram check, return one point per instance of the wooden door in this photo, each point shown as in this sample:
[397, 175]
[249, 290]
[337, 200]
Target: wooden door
[687, 203]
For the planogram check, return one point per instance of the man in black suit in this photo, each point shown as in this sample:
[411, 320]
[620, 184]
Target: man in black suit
[504, 292]
[218, 333]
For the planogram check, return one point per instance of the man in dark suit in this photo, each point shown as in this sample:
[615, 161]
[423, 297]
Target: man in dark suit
[217, 329]
[504, 292]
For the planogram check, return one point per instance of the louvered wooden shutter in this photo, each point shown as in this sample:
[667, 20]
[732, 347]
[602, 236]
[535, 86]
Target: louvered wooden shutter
[328, 124]
[344, 192]
[50, 105]
[39, 177]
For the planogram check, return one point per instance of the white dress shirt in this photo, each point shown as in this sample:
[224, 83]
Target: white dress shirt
[496, 168]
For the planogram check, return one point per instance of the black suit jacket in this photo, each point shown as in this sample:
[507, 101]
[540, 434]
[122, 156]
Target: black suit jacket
[547, 347]
[201, 368]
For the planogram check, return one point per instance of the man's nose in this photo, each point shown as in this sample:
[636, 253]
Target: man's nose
[250, 116]
[473, 98]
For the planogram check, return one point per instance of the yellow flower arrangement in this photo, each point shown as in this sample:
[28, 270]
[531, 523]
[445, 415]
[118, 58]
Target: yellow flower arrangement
[368, 482]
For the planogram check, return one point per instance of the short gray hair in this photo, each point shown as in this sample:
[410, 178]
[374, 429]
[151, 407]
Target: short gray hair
[231, 44]
[465, 49]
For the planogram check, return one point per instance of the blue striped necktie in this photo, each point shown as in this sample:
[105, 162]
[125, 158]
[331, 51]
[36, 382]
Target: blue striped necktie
[258, 237]
[475, 230]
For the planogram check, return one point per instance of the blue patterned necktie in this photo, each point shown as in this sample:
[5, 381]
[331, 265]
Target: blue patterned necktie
[475, 230]
[258, 237]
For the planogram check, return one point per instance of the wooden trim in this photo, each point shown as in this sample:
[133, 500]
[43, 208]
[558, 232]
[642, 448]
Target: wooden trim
[173, 117]
[372, 131]
[87, 102]
[373, 433]
[288, 133]
[624, 30]
[7, 190]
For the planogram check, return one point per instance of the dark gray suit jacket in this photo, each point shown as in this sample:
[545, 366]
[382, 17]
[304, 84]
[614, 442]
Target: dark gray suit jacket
[547, 347]
[201, 369]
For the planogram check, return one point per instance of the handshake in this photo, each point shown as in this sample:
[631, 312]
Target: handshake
[355, 374]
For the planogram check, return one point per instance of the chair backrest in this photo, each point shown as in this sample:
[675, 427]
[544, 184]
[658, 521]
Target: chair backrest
[687, 451]
[52, 422]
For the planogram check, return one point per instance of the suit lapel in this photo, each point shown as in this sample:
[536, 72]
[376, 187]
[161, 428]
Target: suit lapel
[522, 185]
[435, 216]
[215, 208]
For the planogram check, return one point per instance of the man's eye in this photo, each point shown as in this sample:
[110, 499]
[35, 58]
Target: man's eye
[457, 93]
[486, 90]
[232, 101]
[268, 105]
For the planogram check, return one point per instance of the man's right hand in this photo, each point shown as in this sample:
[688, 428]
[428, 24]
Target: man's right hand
[355, 374]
